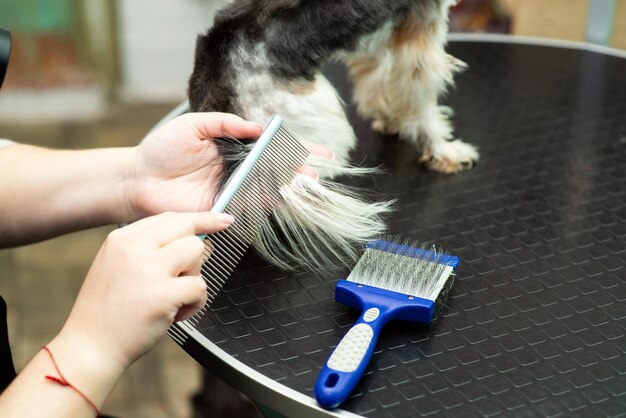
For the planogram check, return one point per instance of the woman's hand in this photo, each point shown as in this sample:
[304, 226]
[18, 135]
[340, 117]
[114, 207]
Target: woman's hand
[145, 276]
[176, 168]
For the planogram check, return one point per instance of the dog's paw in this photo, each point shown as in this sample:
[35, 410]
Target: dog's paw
[450, 157]
[385, 127]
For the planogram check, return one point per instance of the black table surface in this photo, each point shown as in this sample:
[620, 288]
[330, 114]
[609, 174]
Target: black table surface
[535, 323]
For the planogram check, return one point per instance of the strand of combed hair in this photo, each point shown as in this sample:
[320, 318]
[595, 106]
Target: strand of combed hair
[318, 224]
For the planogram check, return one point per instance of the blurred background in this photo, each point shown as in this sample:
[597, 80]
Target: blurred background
[101, 73]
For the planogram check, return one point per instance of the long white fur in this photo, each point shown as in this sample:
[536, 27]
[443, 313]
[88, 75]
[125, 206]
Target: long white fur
[317, 117]
[318, 224]
[321, 222]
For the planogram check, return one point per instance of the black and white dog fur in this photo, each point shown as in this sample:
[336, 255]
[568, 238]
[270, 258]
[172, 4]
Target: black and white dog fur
[264, 57]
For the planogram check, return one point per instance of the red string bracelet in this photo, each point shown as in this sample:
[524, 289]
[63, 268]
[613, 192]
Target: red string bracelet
[63, 382]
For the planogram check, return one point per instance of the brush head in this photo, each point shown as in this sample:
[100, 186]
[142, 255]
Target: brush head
[407, 268]
[250, 194]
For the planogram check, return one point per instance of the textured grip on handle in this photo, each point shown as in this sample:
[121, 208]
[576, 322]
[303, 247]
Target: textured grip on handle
[350, 351]
[348, 362]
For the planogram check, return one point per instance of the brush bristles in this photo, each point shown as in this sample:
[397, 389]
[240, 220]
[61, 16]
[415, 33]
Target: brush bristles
[418, 271]
[251, 205]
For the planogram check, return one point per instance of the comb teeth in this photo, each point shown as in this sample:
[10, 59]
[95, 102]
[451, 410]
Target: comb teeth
[256, 195]
[412, 270]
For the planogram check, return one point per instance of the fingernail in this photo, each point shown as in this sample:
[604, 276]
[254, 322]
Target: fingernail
[225, 218]
[332, 156]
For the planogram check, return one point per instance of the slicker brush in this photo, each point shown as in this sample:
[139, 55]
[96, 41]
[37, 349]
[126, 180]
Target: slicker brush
[390, 281]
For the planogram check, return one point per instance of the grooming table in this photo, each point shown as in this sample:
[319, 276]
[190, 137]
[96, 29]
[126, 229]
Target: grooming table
[535, 324]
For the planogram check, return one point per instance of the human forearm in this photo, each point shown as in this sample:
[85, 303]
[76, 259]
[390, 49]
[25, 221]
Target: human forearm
[50, 192]
[90, 374]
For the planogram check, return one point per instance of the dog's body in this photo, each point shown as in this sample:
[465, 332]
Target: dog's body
[264, 57]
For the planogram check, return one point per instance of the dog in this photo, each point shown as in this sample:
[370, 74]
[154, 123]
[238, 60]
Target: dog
[264, 57]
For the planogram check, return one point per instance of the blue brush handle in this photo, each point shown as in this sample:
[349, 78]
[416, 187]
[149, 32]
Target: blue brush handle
[349, 360]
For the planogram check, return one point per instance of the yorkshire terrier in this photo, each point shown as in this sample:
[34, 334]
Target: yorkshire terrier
[264, 57]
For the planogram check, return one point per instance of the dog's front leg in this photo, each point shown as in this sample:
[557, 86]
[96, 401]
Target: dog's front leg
[399, 88]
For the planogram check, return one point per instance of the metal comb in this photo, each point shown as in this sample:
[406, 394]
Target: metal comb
[250, 194]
